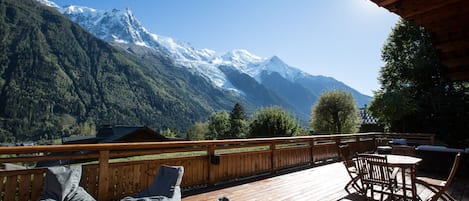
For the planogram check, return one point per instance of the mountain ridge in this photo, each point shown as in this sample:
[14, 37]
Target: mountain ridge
[56, 80]
[203, 61]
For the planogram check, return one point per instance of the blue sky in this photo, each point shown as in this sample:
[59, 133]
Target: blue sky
[336, 38]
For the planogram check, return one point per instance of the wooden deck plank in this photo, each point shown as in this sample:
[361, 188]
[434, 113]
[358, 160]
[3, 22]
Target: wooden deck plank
[319, 183]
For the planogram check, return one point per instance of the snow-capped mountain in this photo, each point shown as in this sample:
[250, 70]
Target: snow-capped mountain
[122, 27]
[119, 26]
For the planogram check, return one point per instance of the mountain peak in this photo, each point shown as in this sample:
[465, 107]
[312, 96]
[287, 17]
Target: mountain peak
[49, 3]
[276, 59]
[241, 57]
[78, 9]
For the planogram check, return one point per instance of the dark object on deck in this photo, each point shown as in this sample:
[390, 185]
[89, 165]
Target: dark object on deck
[223, 199]
[439, 186]
[166, 186]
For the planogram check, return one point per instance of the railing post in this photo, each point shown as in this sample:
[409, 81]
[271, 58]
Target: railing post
[103, 182]
[375, 142]
[337, 143]
[272, 158]
[357, 140]
[311, 144]
[210, 154]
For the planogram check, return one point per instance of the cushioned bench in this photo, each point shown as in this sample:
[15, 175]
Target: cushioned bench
[437, 159]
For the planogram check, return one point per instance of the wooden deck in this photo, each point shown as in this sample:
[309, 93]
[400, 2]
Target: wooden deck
[319, 183]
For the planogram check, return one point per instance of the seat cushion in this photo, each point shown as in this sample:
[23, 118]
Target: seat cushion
[62, 183]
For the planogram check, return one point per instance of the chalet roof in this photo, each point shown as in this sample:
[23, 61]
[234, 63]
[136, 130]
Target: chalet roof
[447, 21]
[107, 134]
[367, 117]
[80, 139]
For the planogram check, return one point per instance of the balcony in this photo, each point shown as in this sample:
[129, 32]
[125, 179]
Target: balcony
[247, 169]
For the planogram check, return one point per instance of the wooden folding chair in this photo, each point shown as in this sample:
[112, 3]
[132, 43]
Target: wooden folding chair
[351, 168]
[439, 186]
[375, 171]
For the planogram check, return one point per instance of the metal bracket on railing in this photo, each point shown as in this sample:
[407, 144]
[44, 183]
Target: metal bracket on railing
[215, 159]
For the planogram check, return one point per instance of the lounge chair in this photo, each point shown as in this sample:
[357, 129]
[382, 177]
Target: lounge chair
[165, 187]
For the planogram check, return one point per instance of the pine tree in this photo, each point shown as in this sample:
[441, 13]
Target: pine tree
[237, 122]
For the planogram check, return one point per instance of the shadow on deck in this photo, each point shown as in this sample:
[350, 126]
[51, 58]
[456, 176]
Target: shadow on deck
[324, 182]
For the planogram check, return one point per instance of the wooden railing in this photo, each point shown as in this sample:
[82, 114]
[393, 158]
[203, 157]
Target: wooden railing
[122, 169]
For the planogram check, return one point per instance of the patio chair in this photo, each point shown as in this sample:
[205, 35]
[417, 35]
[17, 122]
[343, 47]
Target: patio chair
[351, 168]
[165, 187]
[404, 150]
[63, 183]
[374, 171]
[438, 187]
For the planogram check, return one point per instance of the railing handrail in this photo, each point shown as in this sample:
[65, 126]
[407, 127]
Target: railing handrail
[152, 145]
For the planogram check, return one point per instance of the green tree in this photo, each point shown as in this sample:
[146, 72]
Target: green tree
[218, 125]
[169, 133]
[335, 112]
[410, 71]
[198, 131]
[273, 121]
[414, 96]
[238, 123]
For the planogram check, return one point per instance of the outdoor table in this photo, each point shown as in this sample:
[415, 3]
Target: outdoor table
[404, 163]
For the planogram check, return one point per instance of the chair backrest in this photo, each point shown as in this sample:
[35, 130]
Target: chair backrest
[449, 179]
[166, 183]
[346, 156]
[374, 169]
[403, 150]
[457, 158]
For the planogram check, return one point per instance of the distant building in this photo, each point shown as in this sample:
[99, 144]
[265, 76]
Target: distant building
[116, 134]
[109, 134]
[369, 122]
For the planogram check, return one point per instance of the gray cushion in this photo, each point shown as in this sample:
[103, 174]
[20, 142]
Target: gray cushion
[166, 185]
[62, 183]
